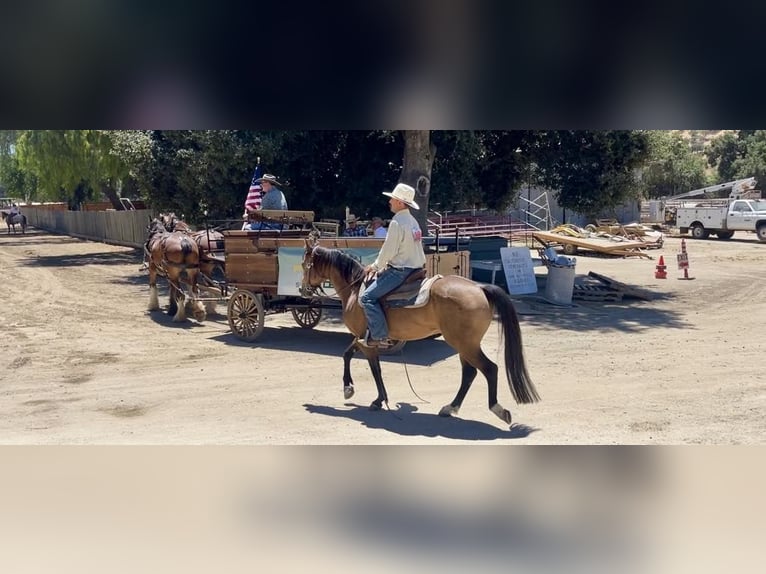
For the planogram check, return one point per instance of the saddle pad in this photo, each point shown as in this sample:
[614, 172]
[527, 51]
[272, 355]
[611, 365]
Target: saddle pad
[424, 293]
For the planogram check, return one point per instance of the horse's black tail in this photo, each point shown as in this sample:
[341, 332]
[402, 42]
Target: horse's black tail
[515, 367]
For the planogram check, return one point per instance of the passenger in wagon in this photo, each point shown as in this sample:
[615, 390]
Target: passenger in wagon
[377, 227]
[353, 229]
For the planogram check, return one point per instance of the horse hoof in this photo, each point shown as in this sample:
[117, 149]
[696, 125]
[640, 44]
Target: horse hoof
[348, 392]
[447, 411]
[375, 406]
[503, 414]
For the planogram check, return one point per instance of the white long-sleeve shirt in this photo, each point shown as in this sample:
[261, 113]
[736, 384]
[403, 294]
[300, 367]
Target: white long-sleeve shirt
[403, 246]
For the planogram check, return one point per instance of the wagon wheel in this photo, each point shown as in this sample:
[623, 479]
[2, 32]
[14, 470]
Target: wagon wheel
[307, 317]
[246, 315]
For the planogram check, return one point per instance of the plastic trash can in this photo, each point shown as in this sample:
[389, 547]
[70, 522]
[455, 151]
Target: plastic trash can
[560, 283]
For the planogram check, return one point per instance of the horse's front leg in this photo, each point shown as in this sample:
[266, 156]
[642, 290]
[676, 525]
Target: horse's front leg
[348, 382]
[374, 360]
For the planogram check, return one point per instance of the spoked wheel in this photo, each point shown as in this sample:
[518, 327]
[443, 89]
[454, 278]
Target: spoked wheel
[307, 317]
[246, 315]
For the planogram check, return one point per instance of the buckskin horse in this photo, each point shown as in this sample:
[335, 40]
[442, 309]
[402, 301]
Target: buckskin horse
[14, 220]
[170, 255]
[459, 309]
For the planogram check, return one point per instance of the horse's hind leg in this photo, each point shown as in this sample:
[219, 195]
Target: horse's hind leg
[177, 308]
[198, 309]
[469, 374]
[489, 369]
[348, 382]
[154, 300]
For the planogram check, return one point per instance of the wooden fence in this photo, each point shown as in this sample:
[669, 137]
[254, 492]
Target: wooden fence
[118, 227]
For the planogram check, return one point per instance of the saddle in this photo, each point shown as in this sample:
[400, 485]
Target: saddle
[412, 293]
[408, 289]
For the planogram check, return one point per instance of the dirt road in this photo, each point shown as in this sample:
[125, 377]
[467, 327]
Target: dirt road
[85, 363]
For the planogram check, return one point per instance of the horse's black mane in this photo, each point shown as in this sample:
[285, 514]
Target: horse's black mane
[349, 268]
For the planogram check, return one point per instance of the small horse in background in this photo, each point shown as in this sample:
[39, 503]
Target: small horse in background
[14, 220]
[170, 255]
[458, 308]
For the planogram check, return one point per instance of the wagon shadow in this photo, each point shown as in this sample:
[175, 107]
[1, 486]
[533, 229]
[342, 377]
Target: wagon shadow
[406, 420]
[77, 260]
[425, 352]
[635, 317]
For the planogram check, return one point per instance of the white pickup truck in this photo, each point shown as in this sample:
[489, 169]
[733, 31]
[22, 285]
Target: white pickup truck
[723, 220]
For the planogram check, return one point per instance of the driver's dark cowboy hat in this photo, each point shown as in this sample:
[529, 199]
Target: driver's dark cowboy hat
[272, 179]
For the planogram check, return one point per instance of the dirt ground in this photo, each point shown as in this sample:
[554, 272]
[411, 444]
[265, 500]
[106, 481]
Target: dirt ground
[86, 363]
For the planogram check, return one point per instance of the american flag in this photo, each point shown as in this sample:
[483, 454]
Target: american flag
[253, 200]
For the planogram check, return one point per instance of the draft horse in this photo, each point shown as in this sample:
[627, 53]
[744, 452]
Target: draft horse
[208, 241]
[169, 256]
[459, 309]
[14, 220]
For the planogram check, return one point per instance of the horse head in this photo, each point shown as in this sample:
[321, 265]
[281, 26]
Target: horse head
[155, 226]
[311, 280]
[168, 220]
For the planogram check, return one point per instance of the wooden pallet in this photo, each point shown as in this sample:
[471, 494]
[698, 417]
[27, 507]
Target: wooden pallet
[627, 290]
[595, 293]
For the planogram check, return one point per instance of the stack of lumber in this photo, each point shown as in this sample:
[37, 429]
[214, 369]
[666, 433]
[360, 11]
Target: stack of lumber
[572, 242]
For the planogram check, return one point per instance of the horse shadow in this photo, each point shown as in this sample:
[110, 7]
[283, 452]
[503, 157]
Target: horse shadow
[423, 352]
[406, 420]
[162, 318]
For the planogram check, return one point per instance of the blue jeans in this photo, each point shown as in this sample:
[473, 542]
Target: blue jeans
[386, 281]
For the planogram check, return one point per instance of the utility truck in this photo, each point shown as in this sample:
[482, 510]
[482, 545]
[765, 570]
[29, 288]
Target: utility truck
[664, 210]
[723, 218]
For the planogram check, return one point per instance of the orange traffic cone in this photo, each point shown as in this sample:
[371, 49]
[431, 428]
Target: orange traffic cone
[660, 272]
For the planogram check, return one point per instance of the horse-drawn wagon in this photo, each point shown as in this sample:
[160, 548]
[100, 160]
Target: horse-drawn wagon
[258, 272]
[263, 274]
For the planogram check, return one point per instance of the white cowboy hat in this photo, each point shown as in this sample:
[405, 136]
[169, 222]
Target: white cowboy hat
[352, 218]
[404, 193]
[272, 179]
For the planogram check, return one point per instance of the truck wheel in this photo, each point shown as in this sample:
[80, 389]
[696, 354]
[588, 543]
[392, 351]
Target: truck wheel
[761, 231]
[725, 234]
[699, 232]
[570, 249]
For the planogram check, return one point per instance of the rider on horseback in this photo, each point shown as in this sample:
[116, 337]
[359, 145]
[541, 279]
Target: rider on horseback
[401, 255]
[14, 210]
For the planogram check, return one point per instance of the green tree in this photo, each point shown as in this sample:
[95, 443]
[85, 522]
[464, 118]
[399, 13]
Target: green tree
[671, 167]
[723, 152]
[752, 160]
[14, 181]
[591, 171]
[70, 165]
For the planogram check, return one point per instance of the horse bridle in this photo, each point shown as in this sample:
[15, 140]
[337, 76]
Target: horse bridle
[307, 265]
[319, 289]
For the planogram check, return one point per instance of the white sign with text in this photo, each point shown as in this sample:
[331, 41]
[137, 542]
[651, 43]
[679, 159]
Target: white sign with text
[519, 270]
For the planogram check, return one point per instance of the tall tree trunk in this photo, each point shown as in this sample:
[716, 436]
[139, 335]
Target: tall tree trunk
[111, 194]
[419, 154]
